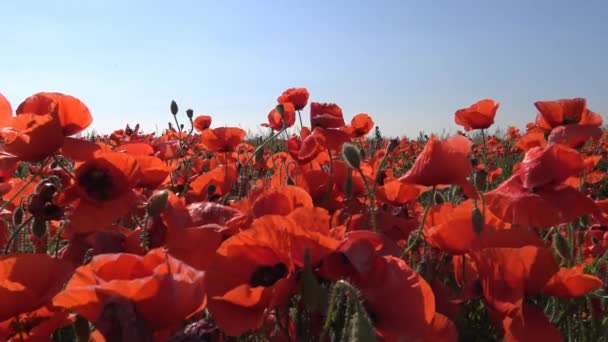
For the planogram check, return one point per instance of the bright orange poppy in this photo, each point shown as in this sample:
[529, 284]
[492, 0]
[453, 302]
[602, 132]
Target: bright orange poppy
[104, 190]
[6, 112]
[202, 122]
[222, 139]
[429, 168]
[74, 116]
[480, 115]
[572, 282]
[297, 96]
[565, 111]
[549, 166]
[253, 271]
[29, 281]
[32, 137]
[278, 121]
[360, 126]
[164, 289]
[304, 150]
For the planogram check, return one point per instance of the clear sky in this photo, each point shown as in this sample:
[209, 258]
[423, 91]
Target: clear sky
[409, 64]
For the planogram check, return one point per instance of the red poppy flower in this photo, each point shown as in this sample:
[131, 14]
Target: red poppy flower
[221, 178]
[32, 137]
[574, 135]
[530, 324]
[480, 115]
[326, 115]
[278, 121]
[164, 289]
[135, 149]
[304, 150]
[543, 207]
[530, 140]
[550, 165]
[153, 171]
[565, 111]
[297, 96]
[202, 122]
[103, 187]
[429, 168]
[6, 112]
[74, 116]
[35, 325]
[222, 139]
[572, 282]
[29, 281]
[397, 193]
[360, 126]
[280, 200]
[508, 274]
[253, 271]
[331, 139]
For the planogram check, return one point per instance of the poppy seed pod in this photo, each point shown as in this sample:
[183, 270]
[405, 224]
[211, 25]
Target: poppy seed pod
[39, 227]
[189, 113]
[351, 155]
[17, 216]
[157, 203]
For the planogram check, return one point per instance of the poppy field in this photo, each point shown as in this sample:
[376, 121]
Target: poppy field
[324, 230]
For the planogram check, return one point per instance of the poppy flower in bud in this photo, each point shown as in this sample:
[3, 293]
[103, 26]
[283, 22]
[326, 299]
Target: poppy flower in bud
[29, 281]
[104, 190]
[297, 96]
[360, 126]
[282, 116]
[326, 115]
[429, 168]
[202, 122]
[480, 115]
[564, 112]
[222, 139]
[253, 272]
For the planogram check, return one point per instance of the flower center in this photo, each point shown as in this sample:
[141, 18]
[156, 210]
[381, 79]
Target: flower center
[268, 275]
[97, 184]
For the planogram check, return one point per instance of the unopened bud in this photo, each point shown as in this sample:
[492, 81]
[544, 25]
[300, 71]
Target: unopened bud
[17, 216]
[392, 145]
[174, 108]
[478, 220]
[562, 246]
[157, 203]
[351, 155]
[46, 191]
[38, 227]
[189, 113]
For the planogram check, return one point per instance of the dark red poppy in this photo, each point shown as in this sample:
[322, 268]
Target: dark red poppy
[297, 96]
[480, 115]
[326, 115]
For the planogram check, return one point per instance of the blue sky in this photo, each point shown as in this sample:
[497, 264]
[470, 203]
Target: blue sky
[409, 64]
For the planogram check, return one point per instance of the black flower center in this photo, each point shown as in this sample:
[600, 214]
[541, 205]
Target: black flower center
[97, 184]
[268, 275]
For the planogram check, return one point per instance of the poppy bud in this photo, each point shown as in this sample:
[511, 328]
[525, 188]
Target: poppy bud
[46, 191]
[157, 203]
[478, 220]
[189, 113]
[17, 216]
[361, 327]
[351, 154]
[39, 227]
[392, 145]
[174, 108]
[562, 246]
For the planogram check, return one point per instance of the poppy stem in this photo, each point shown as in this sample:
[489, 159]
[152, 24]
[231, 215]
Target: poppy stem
[70, 173]
[420, 229]
[331, 176]
[372, 201]
[15, 234]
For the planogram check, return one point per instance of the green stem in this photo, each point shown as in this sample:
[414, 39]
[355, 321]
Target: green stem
[421, 228]
[15, 234]
[372, 201]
